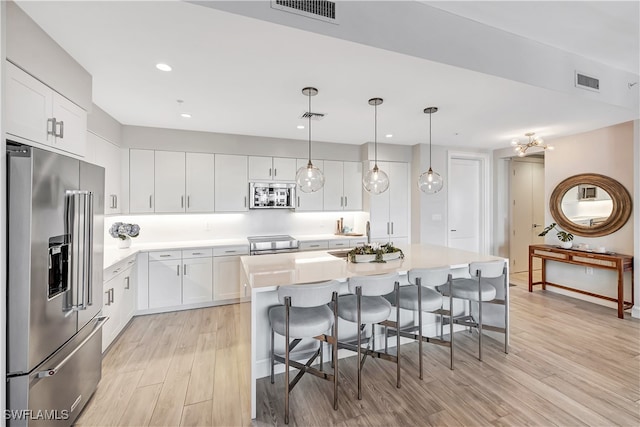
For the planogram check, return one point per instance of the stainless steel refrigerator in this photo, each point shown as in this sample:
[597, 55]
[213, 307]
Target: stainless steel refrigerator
[54, 285]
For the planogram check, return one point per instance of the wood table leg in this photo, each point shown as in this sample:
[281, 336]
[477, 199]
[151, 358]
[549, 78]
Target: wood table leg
[620, 291]
[530, 271]
[544, 274]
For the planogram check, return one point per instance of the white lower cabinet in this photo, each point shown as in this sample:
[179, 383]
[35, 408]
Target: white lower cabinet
[165, 283]
[226, 278]
[118, 300]
[197, 280]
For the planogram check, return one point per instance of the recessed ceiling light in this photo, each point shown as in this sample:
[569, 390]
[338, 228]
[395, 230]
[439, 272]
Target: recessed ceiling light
[185, 115]
[300, 127]
[163, 67]
[389, 135]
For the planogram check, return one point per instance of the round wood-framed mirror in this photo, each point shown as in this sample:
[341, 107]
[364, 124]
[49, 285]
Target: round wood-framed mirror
[590, 205]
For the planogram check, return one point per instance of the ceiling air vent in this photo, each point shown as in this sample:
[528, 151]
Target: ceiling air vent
[585, 82]
[313, 116]
[317, 9]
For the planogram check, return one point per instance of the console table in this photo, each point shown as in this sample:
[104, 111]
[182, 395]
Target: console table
[611, 261]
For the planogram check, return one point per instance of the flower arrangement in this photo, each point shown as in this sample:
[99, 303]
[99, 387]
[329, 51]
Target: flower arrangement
[122, 231]
[376, 252]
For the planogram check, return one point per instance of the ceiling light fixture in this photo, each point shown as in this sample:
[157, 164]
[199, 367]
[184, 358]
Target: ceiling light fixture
[163, 67]
[521, 148]
[388, 135]
[430, 182]
[309, 178]
[185, 115]
[375, 181]
[300, 127]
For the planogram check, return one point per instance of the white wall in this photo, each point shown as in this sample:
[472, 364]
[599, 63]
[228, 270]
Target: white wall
[3, 219]
[636, 217]
[102, 124]
[607, 151]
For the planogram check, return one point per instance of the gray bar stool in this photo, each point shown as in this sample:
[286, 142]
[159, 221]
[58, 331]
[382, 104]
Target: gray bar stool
[305, 314]
[478, 289]
[366, 306]
[420, 296]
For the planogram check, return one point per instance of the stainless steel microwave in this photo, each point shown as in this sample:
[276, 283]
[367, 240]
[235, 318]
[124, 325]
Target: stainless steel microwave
[587, 192]
[278, 195]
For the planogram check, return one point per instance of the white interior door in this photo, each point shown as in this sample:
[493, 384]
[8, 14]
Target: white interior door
[465, 206]
[527, 212]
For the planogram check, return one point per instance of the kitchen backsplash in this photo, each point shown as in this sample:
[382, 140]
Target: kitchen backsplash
[180, 227]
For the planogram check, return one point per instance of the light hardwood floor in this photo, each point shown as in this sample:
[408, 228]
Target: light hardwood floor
[571, 363]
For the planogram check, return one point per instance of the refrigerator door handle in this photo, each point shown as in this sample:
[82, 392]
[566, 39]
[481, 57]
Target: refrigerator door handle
[88, 253]
[51, 372]
[81, 240]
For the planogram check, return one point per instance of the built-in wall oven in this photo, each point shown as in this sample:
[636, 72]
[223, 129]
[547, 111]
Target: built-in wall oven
[279, 195]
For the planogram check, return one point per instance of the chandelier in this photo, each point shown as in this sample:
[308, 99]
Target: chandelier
[521, 148]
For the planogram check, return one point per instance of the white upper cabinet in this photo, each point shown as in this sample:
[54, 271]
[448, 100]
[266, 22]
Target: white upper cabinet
[108, 155]
[389, 211]
[200, 179]
[271, 169]
[70, 126]
[231, 184]
[37, 113]
[141, 181]
[352, 186]
[309, 201]
[343, 186]
[169, 181]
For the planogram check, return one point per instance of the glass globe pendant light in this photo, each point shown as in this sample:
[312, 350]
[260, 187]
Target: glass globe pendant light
[430, 182]
[375, 181]
[309, 178]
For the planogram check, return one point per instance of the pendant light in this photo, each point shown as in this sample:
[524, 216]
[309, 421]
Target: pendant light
[309, 178]
[375, 181]
[430, 182]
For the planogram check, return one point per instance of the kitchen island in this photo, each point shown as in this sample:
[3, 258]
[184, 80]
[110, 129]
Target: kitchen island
[261, 275]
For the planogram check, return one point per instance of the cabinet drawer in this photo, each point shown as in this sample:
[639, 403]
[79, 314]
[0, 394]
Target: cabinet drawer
[357, 242]
[164, 255]
[231, 250]
[197, 253]
[111, 272]
[314, 246]
[338, 244]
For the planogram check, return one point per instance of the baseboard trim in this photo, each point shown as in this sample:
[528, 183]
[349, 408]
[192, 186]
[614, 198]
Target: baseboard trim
[635, 312]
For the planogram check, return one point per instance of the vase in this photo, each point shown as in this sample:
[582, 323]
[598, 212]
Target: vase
[566, 245]
[124, 243]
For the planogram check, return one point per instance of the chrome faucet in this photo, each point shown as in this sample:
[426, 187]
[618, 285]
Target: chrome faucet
[368, 228]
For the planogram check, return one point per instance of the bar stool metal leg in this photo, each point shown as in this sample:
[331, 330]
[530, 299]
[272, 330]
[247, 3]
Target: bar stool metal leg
[321, 353]
[479, 317]
[334, 357]
[506, 312]
[359, 349]
[451, 321]
[419, 284]
[287, 304]
[398, 334]
[272, 358]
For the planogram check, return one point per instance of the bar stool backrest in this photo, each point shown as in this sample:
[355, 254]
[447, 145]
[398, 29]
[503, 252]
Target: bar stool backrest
[429, 277]
[382, 284]
[309, 295]
[488, 269]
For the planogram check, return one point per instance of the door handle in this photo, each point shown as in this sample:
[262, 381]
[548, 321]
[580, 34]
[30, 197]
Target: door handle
[453, 230]
[245, 201]
[391, 227]
[536, 225]
[341, 201]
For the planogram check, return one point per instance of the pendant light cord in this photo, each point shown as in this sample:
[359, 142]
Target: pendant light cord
[430, 140]
[309, 127]
[375, 135]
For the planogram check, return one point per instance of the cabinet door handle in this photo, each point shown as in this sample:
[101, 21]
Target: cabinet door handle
[298, 201]
[391, 227]
[314, 246]
[341, 201]
[61, 133]
[51, 121]
[188, 201]
[345, 201]
[196, 253]
[150, 200]
[245, 201]
[165, 256]
[230, 252]
[269, 171]
[112, 298]
[115, 199]
[128, 282]
[182, 201]
[177, 270]
[184, 269]
[108, 297]
[275, 172]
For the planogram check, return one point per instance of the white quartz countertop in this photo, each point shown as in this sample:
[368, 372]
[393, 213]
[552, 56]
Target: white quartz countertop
[314, 237]
[268, 271]
[113, 254]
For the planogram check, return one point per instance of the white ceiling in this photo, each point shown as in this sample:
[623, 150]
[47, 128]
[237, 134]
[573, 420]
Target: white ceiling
[244, 76]
[605, 31]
